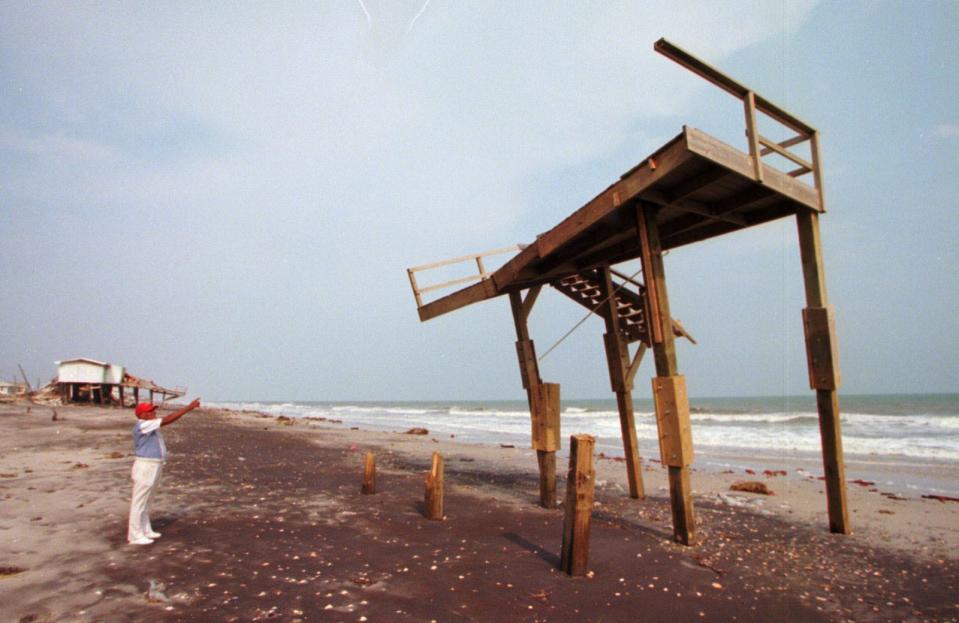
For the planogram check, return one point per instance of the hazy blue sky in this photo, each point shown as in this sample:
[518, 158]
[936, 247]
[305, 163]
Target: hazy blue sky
[226, 196]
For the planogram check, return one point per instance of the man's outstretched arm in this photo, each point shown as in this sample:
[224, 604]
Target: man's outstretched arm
[173, 417]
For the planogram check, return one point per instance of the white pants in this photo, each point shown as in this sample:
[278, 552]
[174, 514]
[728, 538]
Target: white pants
[146, 478]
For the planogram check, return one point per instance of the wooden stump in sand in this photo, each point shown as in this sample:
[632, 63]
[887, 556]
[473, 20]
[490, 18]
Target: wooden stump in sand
[369, 474]
[579, 505]
[434, 489]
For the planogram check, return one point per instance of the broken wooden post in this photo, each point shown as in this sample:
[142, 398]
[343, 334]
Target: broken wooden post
[543, 399]
[434, 489]
[579, 505]
[669, 389]
[822, 356]
[369, 474]
[617, 358]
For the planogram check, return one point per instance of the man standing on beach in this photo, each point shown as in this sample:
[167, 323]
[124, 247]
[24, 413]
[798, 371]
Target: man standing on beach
[150, 454]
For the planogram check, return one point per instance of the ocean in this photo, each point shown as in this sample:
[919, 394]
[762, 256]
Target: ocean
[920, 429]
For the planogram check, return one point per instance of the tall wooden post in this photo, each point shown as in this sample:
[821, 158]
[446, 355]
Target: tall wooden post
[580, 481]
[543, 399]
[669, 388]
[617, 357]
[136, 396]
[822, 356]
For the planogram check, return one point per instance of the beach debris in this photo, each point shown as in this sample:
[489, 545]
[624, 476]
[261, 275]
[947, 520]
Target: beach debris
[286, 421]
[892, 496]
[751, 486]
[6, 571]
[769, 473]
[506, 445]
[54, 418]
[80, 466]
[417, 431]
[862, 483]
[940, 498]
[156, 592]
[115, 455]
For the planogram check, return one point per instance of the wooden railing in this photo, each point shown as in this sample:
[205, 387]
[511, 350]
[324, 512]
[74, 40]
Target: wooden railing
[418, 291]
[753, 103]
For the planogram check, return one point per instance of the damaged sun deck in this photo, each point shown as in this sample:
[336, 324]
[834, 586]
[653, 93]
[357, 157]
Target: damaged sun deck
[702, 187]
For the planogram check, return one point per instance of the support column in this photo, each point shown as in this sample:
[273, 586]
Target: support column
[617, 358]
[543, 399]
[669, 389]
[136, 396]
[822, 356]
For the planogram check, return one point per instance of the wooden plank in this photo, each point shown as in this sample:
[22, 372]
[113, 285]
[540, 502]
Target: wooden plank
[530, 300]
[817, 169]
[637, 359]
[461, 298]
[724, 82]
[453, 282]
[434, 489]
[545, 418]
[547, 478]
[464, 258]
[789, 142]
[672, 420]
[580, 483]
[810, 251]
[834, 468]
[369, 474]
[822, 351]
[752, 133]
[725, 155]
[416, 291]
[774, 147]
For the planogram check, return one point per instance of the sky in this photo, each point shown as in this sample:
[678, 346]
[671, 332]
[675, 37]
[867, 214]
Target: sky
[226, 195]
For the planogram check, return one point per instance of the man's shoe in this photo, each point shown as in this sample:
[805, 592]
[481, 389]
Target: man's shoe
[141, 541]
[153, 535]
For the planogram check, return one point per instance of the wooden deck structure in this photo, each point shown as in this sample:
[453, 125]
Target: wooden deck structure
[693, 188]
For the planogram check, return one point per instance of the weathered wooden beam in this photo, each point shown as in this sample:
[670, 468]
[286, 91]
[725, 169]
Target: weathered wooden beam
[434, 489]
[664, 353]
[543, 399]
[824, 377]
[724, 82]
[369, 474]
[461, 298]
[580, 482]
[617, 359]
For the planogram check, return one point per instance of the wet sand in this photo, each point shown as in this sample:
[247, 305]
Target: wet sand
[262, 519]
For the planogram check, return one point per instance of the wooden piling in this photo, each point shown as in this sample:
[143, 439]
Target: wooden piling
[434, 489]
[369, 474]
[822, 355]
[664, 353]
[579, 505]
[617, 359]
[543, 399]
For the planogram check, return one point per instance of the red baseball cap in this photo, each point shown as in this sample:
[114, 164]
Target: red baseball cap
[144, 407]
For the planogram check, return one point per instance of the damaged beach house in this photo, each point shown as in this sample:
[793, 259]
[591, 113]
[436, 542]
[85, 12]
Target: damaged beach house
[90, 381]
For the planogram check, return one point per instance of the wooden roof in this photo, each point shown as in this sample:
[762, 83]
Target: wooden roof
[702, 188]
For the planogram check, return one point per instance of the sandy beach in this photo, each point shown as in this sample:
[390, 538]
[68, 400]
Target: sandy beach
[262, 519]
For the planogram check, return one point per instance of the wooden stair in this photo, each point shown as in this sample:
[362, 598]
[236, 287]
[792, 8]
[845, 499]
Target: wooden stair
[584, 288]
